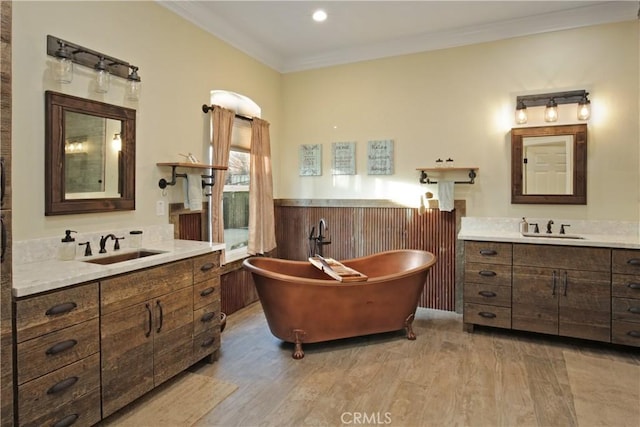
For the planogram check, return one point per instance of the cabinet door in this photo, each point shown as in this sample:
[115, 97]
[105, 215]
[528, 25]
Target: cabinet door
[585, 305]
[535, 299]
[127, 355]
[173, 330]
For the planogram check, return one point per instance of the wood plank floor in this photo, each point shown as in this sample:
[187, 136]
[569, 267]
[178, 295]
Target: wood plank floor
[446, 377]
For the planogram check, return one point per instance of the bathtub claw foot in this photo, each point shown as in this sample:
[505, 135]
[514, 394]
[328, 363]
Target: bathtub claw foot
[408, 326]
[298, 353]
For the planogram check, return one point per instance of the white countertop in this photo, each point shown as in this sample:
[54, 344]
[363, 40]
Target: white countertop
[47, 275]
[610, 234]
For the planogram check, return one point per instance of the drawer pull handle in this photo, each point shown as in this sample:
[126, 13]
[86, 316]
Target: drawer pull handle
[487, 273]
[488, 252]
[66, 421]
[208, 266]
[487, 315]
[62, 385]
[487, 294]
[634, 310]
[61, 346]
[207, 317]
[61, 308]
[208, 342]
[207, 291]
[634, 334]
[633, 285]
[634, 261]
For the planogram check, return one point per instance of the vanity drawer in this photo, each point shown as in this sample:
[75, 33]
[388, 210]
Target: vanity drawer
[627, 333]
[488, 315]
[49, 352]
[491, 274]
[206, 318]
[487, 294]
[206, 267]
[625, 285]
[206, 343]
[626, 261]
[488, 252]
[50, 312]
[82, 412]
[206, 292]
[626, 309]
[566, 257]
[58, 388]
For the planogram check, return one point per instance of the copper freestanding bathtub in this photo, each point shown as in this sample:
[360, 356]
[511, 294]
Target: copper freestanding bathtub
[304, 305]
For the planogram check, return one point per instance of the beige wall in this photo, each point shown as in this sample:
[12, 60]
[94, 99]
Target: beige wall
[179, 65]
[455, 102]
[459, 103]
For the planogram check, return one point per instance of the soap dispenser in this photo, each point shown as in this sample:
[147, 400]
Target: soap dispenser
[524, 226]
[68, 248]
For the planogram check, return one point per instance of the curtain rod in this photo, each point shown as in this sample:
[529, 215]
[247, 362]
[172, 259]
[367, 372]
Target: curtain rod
[206, 108]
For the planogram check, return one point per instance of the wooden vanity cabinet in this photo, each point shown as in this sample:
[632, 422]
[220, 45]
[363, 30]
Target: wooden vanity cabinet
[487, 284]
[58, 357]
[562, 290]
[625, 301]
[146, 330]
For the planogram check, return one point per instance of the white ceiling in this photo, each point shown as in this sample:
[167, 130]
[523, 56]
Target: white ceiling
[282, 35]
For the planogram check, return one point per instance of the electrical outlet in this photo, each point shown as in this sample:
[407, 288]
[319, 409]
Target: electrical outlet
[160, 207]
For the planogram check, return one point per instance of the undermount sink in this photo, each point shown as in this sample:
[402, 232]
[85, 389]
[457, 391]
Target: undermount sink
[553, 235]
[128, 256]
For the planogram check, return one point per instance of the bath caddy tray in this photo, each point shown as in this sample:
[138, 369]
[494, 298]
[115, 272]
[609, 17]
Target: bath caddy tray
[337, 270]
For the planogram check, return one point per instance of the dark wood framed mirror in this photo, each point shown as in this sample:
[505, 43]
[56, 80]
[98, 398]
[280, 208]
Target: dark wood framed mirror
[549, 165]
[90, 152]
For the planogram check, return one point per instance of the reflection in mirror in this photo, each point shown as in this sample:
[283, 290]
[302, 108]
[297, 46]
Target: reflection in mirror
[548, 164]
[90, 156]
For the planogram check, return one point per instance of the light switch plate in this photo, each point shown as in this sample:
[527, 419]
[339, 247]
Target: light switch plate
[160, 207]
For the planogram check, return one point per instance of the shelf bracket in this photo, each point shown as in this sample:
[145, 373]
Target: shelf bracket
[424, 178]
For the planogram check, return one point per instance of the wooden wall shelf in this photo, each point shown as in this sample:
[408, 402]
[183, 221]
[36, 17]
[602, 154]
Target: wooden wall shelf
[424, 177]
[163, 183]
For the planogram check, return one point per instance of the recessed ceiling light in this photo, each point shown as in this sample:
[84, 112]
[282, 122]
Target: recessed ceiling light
[319, 15]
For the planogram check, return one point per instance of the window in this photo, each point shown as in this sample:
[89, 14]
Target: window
[235, 198]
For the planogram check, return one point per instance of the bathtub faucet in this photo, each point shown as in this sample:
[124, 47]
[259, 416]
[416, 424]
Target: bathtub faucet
[317, 242]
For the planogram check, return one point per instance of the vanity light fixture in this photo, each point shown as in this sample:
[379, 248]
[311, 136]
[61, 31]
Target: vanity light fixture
[116, 143]
[105, 66]
[551, 101]
[319, 15]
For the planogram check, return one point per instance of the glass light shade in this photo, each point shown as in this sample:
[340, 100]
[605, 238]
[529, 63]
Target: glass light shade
[133, 90]
[102, 81]
[63, 70]
[551, 111]
[521, 114]
[116, 143]
[584, 110]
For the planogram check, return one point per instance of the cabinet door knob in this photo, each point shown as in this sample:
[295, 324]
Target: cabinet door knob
[61, 308]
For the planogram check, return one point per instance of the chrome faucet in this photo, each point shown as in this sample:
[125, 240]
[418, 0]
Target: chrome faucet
[103, 242]
[549, 224]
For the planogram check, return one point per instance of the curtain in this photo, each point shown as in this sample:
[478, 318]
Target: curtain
[221, 125]
[262, 233]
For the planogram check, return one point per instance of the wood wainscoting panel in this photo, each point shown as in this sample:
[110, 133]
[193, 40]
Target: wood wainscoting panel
[359, 228]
